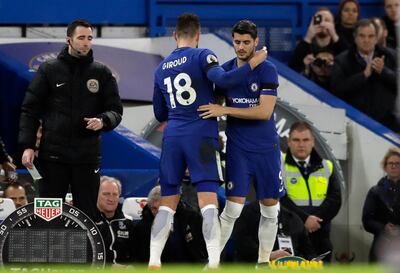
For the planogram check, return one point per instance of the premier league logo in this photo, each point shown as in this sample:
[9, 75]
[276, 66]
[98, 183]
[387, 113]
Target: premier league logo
[48, 208]
[293, 180]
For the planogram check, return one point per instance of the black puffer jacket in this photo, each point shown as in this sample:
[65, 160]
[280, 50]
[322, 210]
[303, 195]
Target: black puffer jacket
[64, 92]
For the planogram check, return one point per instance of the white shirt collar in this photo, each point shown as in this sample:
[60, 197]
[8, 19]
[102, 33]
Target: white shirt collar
[307, 160]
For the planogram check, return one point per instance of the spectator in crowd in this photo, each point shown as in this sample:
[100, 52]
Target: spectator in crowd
[292, 237]
[381, 211]
[313, 192]
[365, 76]
[7, 163]
[318, 67]
[17, 193]
[116, 230]
[382, 31]
[321, 34]
[183, 81]
[253, 154]
[76, 98]
[185, 241]
[392, 16]
[348, 14]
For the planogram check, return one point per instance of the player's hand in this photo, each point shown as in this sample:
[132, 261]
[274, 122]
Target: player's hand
[312, 223]
[211, 110]
[27, 158]
[311, 32]
[94, 124]
[378, 64]
[330, 27]
[258, 57]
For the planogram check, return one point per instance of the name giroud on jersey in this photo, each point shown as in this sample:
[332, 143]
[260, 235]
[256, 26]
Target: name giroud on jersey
[174, 63]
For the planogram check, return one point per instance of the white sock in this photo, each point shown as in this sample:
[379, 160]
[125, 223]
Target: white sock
[267, 230]
[227, 218]
[211, 233]
[159, 234]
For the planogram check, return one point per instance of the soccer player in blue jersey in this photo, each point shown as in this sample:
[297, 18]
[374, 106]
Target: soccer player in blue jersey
[183, 82]
[252, 141]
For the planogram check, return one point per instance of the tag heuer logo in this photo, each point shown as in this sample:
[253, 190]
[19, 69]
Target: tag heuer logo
[48, 208]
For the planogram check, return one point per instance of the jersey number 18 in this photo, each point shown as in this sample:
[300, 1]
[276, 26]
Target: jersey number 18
[185, 94]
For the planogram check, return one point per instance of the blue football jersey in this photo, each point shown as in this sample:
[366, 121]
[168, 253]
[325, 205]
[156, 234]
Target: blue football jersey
[252, 135]
[180, 87]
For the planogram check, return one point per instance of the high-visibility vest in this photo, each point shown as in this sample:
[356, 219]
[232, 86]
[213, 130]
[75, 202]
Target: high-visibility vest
[296, 186]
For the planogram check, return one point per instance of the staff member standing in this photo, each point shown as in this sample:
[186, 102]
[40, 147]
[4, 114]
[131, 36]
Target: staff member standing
[312, 190]
[76, 98]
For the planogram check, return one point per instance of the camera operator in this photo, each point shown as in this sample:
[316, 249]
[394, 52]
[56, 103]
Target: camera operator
[318, 67]
[321, 35]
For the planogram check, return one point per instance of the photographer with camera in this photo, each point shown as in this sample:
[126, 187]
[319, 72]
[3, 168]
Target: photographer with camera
[318, 67]
[321, 35]
[381, 208]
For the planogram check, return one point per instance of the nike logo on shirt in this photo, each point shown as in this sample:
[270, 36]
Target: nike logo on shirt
[60, 84]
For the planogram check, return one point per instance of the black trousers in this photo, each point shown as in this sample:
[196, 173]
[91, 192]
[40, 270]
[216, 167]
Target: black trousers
[84, 180]
[321, 242]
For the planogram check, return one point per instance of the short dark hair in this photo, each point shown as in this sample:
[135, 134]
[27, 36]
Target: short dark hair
[187, 25]
[77, 23]
[245, 27]
[300, 126]
[365, 23]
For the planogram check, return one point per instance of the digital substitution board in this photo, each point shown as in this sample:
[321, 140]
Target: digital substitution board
[48, 231]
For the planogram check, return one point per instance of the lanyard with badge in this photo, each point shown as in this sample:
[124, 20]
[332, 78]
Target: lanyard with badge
[285, 241]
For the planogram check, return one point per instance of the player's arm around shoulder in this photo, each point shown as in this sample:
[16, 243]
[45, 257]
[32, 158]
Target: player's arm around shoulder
[263, 111]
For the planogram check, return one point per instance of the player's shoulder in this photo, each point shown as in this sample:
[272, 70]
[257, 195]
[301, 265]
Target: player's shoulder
[268, 65]
[229, 64]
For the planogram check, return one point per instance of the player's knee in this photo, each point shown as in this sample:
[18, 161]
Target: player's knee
[232, 209]
[270, 212]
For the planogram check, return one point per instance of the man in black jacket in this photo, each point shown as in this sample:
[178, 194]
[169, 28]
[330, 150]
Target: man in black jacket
[365, 76]
[76, 98]
[116, 230]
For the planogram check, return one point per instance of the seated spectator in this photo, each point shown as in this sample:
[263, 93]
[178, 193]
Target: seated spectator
[382, 31]
[7, 164]
[321, 34]
[349, 11]
[318, 67]
[17, 193]
[290, 228]
[116, 230]
[365, 76]
[392, 15]
[382, 205]
[185, 242]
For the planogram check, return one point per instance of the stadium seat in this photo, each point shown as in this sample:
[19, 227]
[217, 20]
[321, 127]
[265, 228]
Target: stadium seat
[133, 206]
[7, 206]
